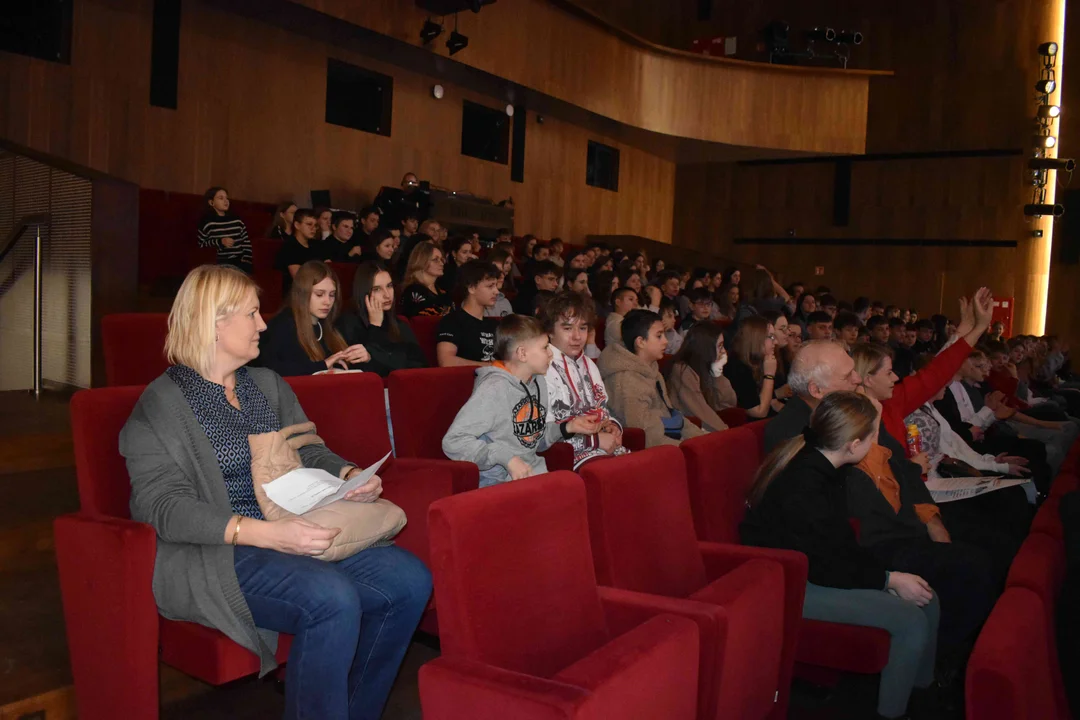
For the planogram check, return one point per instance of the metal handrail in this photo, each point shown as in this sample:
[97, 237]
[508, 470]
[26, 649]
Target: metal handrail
[37, 221]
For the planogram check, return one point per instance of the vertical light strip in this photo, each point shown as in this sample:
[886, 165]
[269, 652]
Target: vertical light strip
[1041, 277]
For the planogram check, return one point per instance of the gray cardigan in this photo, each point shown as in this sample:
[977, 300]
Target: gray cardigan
[177, 487]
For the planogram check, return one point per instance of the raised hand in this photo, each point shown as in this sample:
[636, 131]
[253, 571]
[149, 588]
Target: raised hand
[967, 317]
[375, 310]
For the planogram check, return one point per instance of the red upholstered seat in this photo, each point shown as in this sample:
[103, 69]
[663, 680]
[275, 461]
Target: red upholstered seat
[643, 540]
[526, 632]
[106, 560]
[720, 469]
[424, 327]
[601, 324]
[1009, 673]
[134, 347]
[733, 416]
[264, 252]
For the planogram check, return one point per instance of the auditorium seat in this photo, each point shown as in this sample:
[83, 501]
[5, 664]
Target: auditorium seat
[643, 540]
[733, 417]
[526, 632]
[106, 560]
[133, 345]
[345, 271]
[425, 327]
[1009, 673]
[264, 252]
[720, 468]
[601, 324]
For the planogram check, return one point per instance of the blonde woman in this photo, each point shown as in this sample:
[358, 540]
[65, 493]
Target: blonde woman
[219, 563]
[422, 295]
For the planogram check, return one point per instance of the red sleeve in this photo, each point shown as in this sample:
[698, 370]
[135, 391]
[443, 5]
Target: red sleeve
[914, 390]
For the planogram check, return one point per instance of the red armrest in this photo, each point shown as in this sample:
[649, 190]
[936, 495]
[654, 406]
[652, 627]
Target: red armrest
[733, 416]
[465, 475]
[413, 486]
[633, 439]
[106, 568]
[559, 456]
[460, 689]
[720, 559]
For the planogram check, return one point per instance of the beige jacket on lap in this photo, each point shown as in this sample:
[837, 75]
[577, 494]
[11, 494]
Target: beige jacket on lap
[633, 397]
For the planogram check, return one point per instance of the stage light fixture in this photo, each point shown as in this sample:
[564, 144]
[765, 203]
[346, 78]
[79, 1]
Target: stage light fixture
[1040, 209]
[1048, 49]
[1049, 112]
[1066, 164]
[1044, 142]
[430, 31]
[1045, 87]
[456, 42]
[849, 37]
[826, 34]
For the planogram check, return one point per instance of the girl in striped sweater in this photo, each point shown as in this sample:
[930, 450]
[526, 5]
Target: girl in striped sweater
[222, 230]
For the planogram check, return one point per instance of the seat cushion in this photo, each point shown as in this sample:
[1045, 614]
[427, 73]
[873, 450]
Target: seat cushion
[850, 648]
[209, 655]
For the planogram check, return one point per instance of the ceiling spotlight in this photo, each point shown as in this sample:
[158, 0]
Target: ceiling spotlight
[822, 34]
[849, 37]
[1066, 164]
[1045, 87]
[456, 42]
[1048, 49]
[1044, 141]
[1040, 209]
[430, 31]
[1049, 111]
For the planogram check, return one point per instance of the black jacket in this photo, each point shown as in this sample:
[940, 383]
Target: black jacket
[280, 350]
[805, 509]
[387, 355]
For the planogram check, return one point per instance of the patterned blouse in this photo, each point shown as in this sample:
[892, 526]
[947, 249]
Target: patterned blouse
[228, 428]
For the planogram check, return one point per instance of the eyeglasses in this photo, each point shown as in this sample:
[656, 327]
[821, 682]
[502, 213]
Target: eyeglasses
[770, 337]
[437, 259]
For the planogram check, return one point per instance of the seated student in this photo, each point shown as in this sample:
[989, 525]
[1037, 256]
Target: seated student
[577, 280]
[903, 358]
[297, 249]
[827, 304]
[795, 341]
[382, 248]
[502, 257]
[797, 502]
[369, 219]
[504, 423]
[752, 367]
[371, 322]
[649, 298]
[637, 394]
[574, 385]
[283, 218]
[669, 313]
[602, 286]
[781, 328]
[701, 308]
[695, 377]
[555, 251]
[218, 562]
[465, 336]
[303, 337]
[545, 276]
[323, 218]
[878, 328]
[339, 246]
[924, 334]
[422, 295]
[623, 300]
[846, 327]
[224, 231]
[819, 326]
[458, 251]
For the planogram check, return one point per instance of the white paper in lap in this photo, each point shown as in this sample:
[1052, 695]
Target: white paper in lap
[949, 489]
[306, 489]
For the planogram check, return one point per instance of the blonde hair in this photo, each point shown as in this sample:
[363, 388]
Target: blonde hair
[418, 261]
[840, 418]
[209, 293]
[869, 358]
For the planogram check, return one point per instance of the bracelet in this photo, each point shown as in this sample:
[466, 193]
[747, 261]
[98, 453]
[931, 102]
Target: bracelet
[236, 529]
[768, 377]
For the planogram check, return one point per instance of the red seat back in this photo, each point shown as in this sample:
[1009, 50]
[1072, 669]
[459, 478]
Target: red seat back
[1009, 672]
[264, 251]
[424, 327]
[720, 467]
[349, 412]
[514, 580]
[345, 271]
[640, 525]
[97, 416]
[601, 324]
[134, 347]
[423, 404]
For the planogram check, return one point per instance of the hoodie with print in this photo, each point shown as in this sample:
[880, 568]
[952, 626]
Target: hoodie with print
[504, 418]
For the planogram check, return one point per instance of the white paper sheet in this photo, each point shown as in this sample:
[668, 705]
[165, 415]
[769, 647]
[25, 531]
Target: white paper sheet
[306, 489]
[949, 489]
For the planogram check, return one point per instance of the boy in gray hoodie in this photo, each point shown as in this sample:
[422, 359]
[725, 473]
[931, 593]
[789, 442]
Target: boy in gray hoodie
[506, 422]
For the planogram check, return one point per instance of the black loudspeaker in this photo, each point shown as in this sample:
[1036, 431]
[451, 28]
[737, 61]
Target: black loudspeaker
[1067, 227]
[842, 193]
[40, 29]
[165, 54]
[320, 198]
[517, 148]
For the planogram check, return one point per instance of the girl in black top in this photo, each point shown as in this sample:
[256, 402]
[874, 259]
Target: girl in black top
[220, 229]
[302, 338]
[460, 252]
[371, 322]
[283, 218]
[751, 368]
[799, 502]
[422, 295]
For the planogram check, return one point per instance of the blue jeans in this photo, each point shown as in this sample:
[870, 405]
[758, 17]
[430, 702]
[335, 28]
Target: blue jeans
[352, 622]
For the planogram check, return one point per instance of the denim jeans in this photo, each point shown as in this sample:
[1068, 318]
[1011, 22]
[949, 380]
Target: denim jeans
[352, 622]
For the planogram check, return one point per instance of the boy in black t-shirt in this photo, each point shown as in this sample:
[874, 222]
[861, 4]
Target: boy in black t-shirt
[465, 336]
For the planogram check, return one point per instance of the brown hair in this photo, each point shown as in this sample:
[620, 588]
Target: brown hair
[514, 330]
[279, 221]
[307, 277]
[750, 343]
[840, 418]
[567, 304]
[418, 260]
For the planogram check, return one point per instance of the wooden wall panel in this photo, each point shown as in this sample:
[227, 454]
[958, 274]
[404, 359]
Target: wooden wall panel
[250, 117]
[536, 44]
